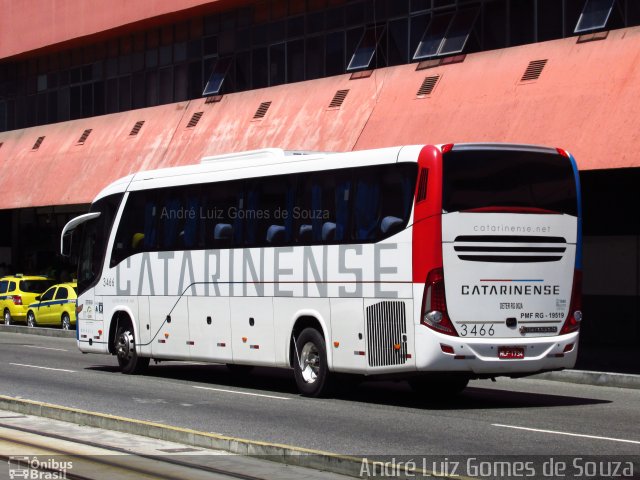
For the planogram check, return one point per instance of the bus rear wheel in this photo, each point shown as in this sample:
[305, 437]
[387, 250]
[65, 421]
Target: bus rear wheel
[125, 346]
[310, 365]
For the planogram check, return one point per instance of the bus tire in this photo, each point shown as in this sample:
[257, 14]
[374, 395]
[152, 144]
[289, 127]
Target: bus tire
[438, 388]
[128, 360]
[310, 367]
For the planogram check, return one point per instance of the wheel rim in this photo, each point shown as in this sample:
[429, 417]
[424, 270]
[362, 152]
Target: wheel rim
[310, 362]
[65, 323]
[7, 318]
[125, 346]
[30, 320]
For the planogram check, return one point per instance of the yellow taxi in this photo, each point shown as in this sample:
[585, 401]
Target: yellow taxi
[17, 292]
[56, 306]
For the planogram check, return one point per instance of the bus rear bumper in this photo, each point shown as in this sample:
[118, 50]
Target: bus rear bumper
[490, 356]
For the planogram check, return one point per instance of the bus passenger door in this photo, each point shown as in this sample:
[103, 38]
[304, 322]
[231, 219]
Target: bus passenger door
[252, 330]
[210, 329]
[170, 325]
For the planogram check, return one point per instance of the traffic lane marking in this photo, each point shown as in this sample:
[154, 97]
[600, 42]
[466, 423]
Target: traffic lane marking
[43, 368]
[46, 348]
[242, 393]
[581, 435]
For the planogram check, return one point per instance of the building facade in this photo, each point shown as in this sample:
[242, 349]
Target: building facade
[92, 91]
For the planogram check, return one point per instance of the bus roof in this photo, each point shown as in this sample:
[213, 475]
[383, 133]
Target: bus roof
[254, 163]
[276, 161]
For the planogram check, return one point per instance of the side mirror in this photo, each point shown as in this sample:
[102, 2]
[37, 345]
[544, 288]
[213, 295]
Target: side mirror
[38, 297]
[65, 247]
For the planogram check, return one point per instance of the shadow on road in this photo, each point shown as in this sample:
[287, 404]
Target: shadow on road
[272, 380]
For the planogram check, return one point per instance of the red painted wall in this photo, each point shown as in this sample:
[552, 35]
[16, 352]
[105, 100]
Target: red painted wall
[58, 21]
[586, 100]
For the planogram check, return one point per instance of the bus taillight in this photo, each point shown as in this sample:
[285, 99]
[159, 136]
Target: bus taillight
[434, 304]
[572, 323]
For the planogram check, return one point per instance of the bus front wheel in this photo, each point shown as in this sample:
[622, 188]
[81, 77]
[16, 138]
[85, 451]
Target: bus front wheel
[128, 359]
[310, 368]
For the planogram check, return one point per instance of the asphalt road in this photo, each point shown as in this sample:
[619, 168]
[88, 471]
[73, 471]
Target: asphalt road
[509, 417]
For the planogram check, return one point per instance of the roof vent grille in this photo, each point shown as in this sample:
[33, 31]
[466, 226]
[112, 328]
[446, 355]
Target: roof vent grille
[262, 110]
[428, 85]
[84, 136]
[338, 98]
[136, 128]
[36, 145]
[194, 119]
[534, 70]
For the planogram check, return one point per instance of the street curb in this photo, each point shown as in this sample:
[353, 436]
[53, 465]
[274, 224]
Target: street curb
[285, 454]
[43, 332]
[598, 379]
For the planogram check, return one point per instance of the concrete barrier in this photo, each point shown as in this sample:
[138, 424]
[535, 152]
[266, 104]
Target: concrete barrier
[44, 332]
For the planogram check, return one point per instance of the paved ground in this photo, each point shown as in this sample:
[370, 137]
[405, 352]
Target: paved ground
[509, 417]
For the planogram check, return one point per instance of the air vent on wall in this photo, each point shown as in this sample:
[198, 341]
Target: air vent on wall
[84, 136]
[136, 128]
[338, 98]
[428, 85]
[534, 70]
[36, 145]
[194, 119]
[262, 110]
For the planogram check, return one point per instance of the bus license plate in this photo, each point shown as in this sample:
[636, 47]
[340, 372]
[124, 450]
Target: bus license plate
[510, 353]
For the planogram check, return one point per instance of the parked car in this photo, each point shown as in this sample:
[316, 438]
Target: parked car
[17, 292]
[56, 306]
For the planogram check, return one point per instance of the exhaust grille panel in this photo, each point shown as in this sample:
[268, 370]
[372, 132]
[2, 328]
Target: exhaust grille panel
[387, 333]
[509, 249]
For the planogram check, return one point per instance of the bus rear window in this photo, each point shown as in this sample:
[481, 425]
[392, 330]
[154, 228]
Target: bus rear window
[508, 180]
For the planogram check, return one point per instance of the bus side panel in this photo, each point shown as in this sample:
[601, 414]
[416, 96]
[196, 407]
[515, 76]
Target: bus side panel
[348, 341]
[210, 329]
[170, 318]
[143, 322]
[252, 330]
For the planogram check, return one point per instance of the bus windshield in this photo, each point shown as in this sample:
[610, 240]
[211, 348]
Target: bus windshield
[525, 181]
[94, 237]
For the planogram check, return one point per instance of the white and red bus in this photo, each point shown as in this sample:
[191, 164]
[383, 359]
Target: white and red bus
[437, 264]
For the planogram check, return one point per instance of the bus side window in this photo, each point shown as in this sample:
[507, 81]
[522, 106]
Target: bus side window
[190, 231]
[367, 205]
[396, 193]
[150, 225]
